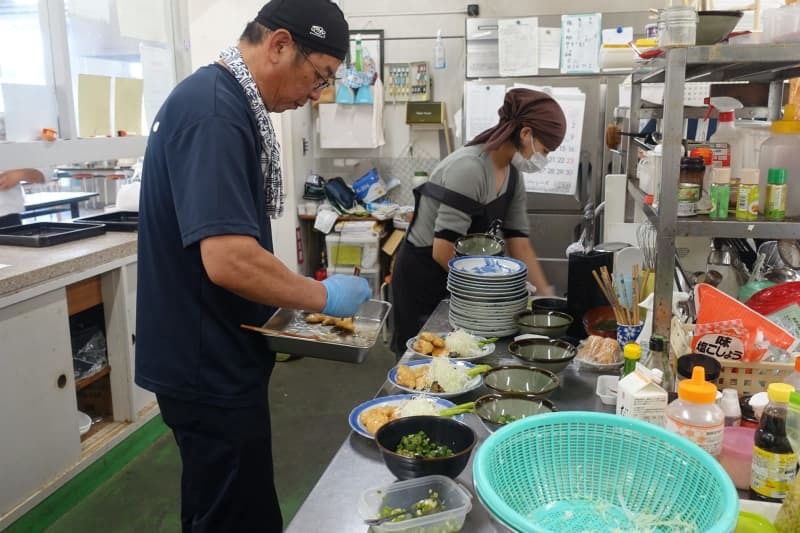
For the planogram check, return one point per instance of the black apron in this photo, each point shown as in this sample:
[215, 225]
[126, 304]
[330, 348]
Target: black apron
[419, 283]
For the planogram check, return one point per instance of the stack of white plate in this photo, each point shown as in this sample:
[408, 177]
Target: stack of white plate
[485, 294]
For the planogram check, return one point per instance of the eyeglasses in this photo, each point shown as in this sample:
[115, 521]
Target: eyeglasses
[325, 81]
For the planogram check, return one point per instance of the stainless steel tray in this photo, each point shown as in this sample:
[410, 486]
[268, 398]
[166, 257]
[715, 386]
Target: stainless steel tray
[346, 348]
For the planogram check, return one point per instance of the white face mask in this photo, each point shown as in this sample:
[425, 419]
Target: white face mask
[536, 163]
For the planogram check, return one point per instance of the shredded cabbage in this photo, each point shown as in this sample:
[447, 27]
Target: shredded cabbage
[462, 343]
[451, 377]
[417, 407]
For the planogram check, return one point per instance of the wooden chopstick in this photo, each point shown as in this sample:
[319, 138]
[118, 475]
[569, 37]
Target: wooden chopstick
[279, 333]
[607, 292]
[613, 291]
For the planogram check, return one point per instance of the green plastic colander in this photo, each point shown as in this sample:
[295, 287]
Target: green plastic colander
[583, 471]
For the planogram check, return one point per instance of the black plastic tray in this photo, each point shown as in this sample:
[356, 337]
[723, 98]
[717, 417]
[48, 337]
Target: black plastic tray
[40, 234]
[115, 220]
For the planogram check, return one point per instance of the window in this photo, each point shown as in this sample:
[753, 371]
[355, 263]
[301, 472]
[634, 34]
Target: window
[24, 70]
[48, 48]
[116, 43]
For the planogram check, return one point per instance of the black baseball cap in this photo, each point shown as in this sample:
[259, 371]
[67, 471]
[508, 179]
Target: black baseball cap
[318, 25]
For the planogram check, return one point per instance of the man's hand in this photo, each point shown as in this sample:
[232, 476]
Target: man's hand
[345, 295]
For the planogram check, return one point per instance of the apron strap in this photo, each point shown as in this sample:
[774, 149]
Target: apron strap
[450, 198]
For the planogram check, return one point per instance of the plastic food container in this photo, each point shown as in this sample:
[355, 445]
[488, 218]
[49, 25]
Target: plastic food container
[404, 494]
[737, 454]
[606, 389]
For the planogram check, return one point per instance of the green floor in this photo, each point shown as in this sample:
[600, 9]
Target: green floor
[310, 400]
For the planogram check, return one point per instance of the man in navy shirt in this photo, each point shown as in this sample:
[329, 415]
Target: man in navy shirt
[211, 182]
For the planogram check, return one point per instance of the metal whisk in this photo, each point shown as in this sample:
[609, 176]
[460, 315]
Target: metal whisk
[646, 236]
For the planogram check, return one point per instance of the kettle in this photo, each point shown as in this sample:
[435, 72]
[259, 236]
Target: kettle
[128, 196]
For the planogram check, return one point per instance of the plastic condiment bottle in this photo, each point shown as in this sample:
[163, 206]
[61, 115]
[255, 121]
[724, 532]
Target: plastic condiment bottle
[632, 353]
[695, 415]
[747, 203]
[774, 461]
[775, 204]
[708, 156]
[439, 53]
[730, 406]
[726, 143]
[781, 150]
[720, 192]
[793, 379]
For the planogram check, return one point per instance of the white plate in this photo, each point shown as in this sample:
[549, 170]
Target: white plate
[84, 422]
[395, 401]
[483, 331]
[472, 384]
[487, 266]
[488, 349]
[489, 309]
[498, 318]
[600, 367]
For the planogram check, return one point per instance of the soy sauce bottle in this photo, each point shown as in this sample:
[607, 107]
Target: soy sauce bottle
[774, 461]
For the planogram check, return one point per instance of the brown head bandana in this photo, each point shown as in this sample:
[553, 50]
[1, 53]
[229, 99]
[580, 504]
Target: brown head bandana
[526, 107]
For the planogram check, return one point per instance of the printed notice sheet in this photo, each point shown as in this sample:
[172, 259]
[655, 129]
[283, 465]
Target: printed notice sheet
[549, 47]
[580, 47]
[481, 102]
[518, 46]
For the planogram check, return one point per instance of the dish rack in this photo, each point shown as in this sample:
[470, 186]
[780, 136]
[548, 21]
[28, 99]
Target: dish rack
[746, 378]
[750, 378]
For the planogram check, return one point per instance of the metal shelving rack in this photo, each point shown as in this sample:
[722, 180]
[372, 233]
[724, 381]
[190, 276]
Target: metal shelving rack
[773, 63]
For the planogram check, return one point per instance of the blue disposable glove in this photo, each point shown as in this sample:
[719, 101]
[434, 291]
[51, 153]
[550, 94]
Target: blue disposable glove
[345, 295]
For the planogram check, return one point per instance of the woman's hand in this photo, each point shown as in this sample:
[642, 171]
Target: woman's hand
[11, 178]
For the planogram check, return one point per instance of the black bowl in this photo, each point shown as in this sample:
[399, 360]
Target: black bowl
[442, 430]
[550, 304]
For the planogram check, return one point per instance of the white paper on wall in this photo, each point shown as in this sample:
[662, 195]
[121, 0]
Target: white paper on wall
[549, 47]
[481, 102]
[518, 46]
[580, 47]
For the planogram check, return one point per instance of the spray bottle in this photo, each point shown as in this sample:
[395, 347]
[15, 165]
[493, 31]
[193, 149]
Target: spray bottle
[439, 55]
[726, 143]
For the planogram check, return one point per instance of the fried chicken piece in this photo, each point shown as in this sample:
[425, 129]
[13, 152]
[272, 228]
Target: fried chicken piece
[329, 320]
[406, 376]
[432, 338]
[423, 346]
[440, 352]
[315, 318]
[346, 324]
[374, 418]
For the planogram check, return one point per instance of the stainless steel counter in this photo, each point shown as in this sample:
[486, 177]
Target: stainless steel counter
[357, 466]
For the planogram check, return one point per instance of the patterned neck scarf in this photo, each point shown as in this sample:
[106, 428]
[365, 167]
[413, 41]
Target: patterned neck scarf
[270, 149]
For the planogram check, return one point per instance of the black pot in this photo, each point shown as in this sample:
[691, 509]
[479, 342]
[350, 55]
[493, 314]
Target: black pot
[442, 430]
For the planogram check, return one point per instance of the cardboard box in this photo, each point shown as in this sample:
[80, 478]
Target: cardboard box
[393, 242]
